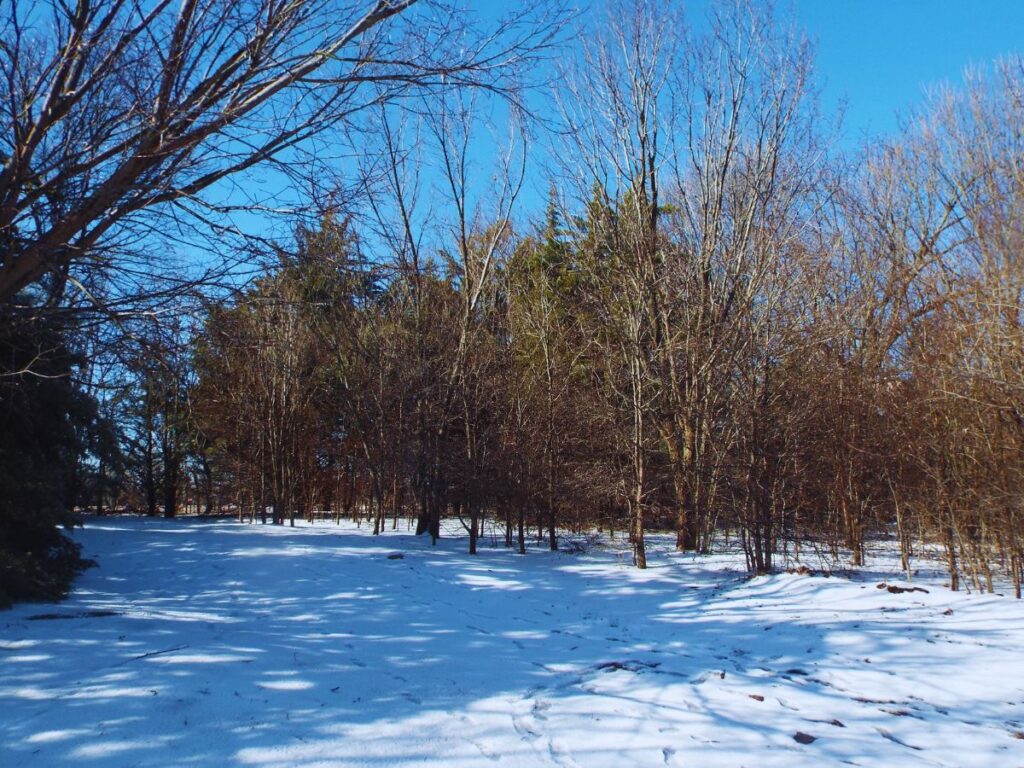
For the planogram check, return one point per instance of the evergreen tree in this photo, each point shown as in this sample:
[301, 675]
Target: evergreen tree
[45, 428]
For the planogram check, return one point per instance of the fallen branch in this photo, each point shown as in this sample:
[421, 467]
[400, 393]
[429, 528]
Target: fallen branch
[154, 653]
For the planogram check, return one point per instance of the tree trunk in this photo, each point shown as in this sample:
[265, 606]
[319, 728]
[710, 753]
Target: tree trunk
[149, 476]
[951, 563]
[550, 498]
[170, 489]
[100, 472]
[473, 519]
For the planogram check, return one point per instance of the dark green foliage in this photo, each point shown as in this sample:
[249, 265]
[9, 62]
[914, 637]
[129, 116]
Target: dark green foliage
[44, 426]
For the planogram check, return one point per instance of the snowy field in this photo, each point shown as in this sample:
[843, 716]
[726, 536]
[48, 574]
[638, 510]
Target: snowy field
[216, 643]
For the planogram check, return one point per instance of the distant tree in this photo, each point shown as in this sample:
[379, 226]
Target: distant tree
[546, 346]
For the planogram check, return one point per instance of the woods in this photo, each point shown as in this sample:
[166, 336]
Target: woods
[714, 320]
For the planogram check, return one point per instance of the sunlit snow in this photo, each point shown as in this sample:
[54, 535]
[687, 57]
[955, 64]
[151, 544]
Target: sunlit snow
[199, 643]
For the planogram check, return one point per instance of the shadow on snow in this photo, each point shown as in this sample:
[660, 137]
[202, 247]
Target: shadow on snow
[203, 643]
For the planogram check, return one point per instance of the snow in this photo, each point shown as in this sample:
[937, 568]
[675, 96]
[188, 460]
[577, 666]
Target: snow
[219, 643]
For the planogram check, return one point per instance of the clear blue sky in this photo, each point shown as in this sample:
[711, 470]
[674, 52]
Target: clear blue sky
[877, 56]
[881, 55]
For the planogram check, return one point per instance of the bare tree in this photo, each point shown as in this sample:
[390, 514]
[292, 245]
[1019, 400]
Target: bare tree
[706, 147]
[123, 120]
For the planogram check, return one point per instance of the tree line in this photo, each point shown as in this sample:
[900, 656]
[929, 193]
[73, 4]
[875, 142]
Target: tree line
[721, 324]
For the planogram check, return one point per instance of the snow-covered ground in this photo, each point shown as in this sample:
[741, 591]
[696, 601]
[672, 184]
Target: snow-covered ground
[218, 643]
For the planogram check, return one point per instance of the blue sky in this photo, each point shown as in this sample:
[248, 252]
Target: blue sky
[875, 59]
[881, 55]
[878, 57]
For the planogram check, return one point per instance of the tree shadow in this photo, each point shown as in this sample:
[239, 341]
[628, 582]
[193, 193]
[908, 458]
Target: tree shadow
[213, 642]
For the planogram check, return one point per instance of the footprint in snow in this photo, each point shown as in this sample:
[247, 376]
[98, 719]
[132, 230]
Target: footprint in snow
[526, 733]
[902, 713]
[887, 735]
[490, 754]
[833, 722]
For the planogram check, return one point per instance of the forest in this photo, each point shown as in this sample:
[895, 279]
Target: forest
[551, 271]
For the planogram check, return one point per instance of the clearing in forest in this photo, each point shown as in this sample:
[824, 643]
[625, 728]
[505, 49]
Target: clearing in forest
[218, 643]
